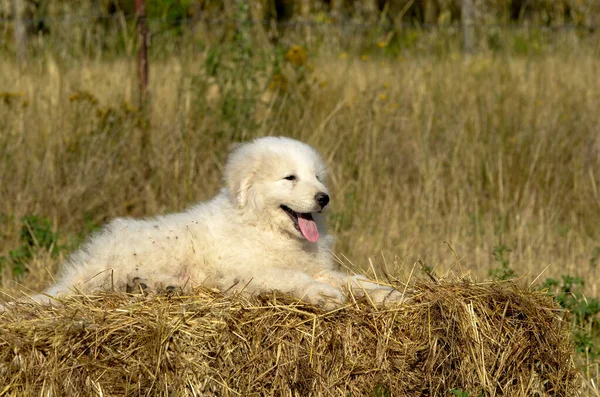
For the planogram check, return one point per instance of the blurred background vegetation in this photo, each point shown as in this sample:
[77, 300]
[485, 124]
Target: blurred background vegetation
[102, 23]
[413, 12]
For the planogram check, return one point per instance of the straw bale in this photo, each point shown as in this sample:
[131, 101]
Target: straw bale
[495, 338]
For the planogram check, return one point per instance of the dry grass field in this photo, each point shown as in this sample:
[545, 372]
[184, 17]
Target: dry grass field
[479, 152]
[469, 164]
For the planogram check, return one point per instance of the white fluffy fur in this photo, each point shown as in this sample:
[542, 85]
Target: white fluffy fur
[239, 240]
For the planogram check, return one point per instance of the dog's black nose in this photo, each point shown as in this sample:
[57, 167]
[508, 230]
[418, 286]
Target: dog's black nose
[322, 199]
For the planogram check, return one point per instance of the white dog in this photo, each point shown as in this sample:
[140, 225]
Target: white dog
[264, 231]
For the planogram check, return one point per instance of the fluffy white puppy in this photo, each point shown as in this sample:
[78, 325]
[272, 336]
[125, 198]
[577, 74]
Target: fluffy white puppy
[264, 231]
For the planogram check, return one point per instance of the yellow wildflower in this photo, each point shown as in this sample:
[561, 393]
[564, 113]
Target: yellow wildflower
[296, 55]
[83, 96]
[128, 107]
[9, 97]
[278, 82]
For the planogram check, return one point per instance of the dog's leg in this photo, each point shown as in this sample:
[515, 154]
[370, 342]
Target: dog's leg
[295, 283]
[360, 285]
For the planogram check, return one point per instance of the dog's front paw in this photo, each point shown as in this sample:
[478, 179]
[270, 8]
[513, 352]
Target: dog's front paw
[358, 284]
[386, 296]
[325, 296]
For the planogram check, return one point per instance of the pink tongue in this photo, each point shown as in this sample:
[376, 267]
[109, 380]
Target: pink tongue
[308, 227]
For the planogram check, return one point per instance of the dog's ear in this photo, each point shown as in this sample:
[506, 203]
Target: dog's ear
[240, 187]
[239, 174]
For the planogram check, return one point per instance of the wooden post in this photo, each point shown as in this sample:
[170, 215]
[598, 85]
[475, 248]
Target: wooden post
[467, 25]
[20, 34]
[142, 70]
[142, 56]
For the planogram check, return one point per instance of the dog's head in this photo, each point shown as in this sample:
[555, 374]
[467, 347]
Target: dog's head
[282, 182]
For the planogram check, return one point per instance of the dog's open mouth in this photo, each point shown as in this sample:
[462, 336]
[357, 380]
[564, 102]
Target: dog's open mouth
[304, 222]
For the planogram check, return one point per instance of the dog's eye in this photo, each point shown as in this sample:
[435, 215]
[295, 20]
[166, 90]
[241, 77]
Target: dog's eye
[290, 177]
[318, 179]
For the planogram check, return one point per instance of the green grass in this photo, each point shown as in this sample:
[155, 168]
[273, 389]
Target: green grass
[434, 156]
